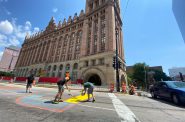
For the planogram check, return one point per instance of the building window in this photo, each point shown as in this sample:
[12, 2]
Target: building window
[72, 39]
[75, 67]
[57, 58]
[93, 62]
[64, 50]
[79, 37]
[77, 48]
[103, 38]
[86, 63]
[102, 61]
[76, 56]
[66, 40]
[90, 7]
[70, 49]
[69, 57]
[63, 58]
[61, 67]
[89, 39]
[68, 67]
[54, 68]
[95, 43]
[96, 26]
[97, 3]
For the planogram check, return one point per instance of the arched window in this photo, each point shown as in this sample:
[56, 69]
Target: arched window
[79, 37]
[55, 68]
[65, 41]
[68, 67]
[49, 68]
[75, 67]
[61, 67]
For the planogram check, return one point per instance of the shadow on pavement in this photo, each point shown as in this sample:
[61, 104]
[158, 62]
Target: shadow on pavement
[169, 102]
[49, 102]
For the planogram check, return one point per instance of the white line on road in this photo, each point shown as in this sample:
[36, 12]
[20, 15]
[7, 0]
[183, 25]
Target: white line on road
[97, 107]
[125, 114]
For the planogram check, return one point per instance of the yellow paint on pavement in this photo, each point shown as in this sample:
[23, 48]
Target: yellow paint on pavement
[77, 99]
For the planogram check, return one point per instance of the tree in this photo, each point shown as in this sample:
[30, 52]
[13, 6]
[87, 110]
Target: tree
[159, 75]
[139, 73]
[7, 74]
[129, 79]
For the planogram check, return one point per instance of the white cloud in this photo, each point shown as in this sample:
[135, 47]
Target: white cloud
[3, 0]
[35, 30]
[14, 41]
[3, 40]
[3, 37]
[55, 10]
[18, 33]
[6, 27]
[27, 25]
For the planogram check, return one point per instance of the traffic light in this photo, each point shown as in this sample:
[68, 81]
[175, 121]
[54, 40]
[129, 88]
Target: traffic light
[114, 62]
[119, 64]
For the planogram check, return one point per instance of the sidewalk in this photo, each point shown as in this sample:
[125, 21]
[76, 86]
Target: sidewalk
[142, 93]
[72, 86]
[79, 87]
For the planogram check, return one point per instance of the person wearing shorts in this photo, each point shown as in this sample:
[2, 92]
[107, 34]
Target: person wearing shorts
[30, 80]
[89, 88]
[60, 85]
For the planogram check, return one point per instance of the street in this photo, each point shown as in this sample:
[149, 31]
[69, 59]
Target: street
[18, 106]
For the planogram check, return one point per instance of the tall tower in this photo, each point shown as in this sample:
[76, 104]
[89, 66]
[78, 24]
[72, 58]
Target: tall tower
[99, 36]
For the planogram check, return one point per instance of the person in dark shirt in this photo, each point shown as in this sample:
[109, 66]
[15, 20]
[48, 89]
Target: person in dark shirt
[30, 80]
[60, 85]
[89, 87]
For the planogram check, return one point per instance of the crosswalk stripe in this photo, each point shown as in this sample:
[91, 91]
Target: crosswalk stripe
[125, 114]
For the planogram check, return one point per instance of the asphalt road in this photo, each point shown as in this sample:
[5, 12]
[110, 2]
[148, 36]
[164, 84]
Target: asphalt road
[150, 110]
[18, 106]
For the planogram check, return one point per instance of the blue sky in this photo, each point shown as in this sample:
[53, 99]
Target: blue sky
[151, 33]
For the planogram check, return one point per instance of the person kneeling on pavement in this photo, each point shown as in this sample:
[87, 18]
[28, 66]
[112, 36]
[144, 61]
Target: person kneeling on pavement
[132, 90]
[89, 87]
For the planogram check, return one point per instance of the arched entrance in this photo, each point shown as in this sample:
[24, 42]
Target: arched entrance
[95, 79]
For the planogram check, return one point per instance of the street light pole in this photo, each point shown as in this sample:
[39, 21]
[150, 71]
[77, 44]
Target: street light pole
[145, 78]
[117, 69]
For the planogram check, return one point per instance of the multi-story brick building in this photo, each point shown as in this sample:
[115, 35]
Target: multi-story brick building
[9, 58]
[84, 45]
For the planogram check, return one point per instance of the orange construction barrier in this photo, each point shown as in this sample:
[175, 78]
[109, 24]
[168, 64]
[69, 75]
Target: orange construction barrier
[132, 90]
[111, 87]
[124, 88]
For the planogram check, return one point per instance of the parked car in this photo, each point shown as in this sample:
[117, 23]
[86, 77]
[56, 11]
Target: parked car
[172, 90]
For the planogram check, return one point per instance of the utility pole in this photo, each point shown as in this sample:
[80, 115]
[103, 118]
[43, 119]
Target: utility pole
[117, 69]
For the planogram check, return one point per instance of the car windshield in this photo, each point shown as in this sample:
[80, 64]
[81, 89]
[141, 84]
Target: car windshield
[176, 84]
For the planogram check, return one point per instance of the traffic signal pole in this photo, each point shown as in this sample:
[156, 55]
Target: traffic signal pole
[117, 69]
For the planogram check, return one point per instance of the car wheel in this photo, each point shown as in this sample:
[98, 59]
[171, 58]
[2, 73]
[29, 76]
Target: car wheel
[175, 99]
[153, 95]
